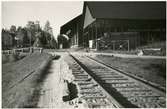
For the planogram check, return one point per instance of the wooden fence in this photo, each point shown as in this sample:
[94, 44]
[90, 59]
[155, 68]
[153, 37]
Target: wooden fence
[22, 50]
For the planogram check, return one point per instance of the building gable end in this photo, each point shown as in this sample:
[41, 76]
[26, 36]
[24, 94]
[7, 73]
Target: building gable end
[88, 17]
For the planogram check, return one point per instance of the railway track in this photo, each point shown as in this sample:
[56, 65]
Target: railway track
[89, 90]
[102, 86]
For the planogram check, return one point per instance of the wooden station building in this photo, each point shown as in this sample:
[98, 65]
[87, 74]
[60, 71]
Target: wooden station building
[73, 30]
[118, 25]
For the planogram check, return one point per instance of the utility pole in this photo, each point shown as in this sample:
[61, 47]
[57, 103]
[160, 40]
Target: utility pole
[128, 45]
[30, 40]
[96, 35]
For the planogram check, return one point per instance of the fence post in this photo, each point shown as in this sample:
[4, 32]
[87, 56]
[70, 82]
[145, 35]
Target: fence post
[128, 45]
[41, 50]
[31, 50]
[114, 45]
[14, 51]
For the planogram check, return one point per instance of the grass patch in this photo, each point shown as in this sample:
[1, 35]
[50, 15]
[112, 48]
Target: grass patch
[153, 70]
[6, 58]
[14, 72]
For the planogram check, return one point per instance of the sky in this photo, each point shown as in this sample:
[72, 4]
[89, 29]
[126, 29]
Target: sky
[58, 13]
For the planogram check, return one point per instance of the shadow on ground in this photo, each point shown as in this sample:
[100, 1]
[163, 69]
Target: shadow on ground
[73, 93]
[34, 99]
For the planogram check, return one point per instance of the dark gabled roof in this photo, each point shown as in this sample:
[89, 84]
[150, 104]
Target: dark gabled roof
[128, 10]
[64, 28]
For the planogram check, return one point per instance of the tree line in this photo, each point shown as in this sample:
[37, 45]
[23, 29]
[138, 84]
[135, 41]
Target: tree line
[30, 35]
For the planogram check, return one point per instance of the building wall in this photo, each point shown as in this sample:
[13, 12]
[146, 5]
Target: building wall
[149, 31]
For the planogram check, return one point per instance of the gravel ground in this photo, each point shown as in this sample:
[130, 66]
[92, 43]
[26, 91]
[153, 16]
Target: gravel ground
[54, 88]
[153, 70]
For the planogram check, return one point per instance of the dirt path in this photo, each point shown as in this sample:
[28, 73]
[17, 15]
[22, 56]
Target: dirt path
[54, 88]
